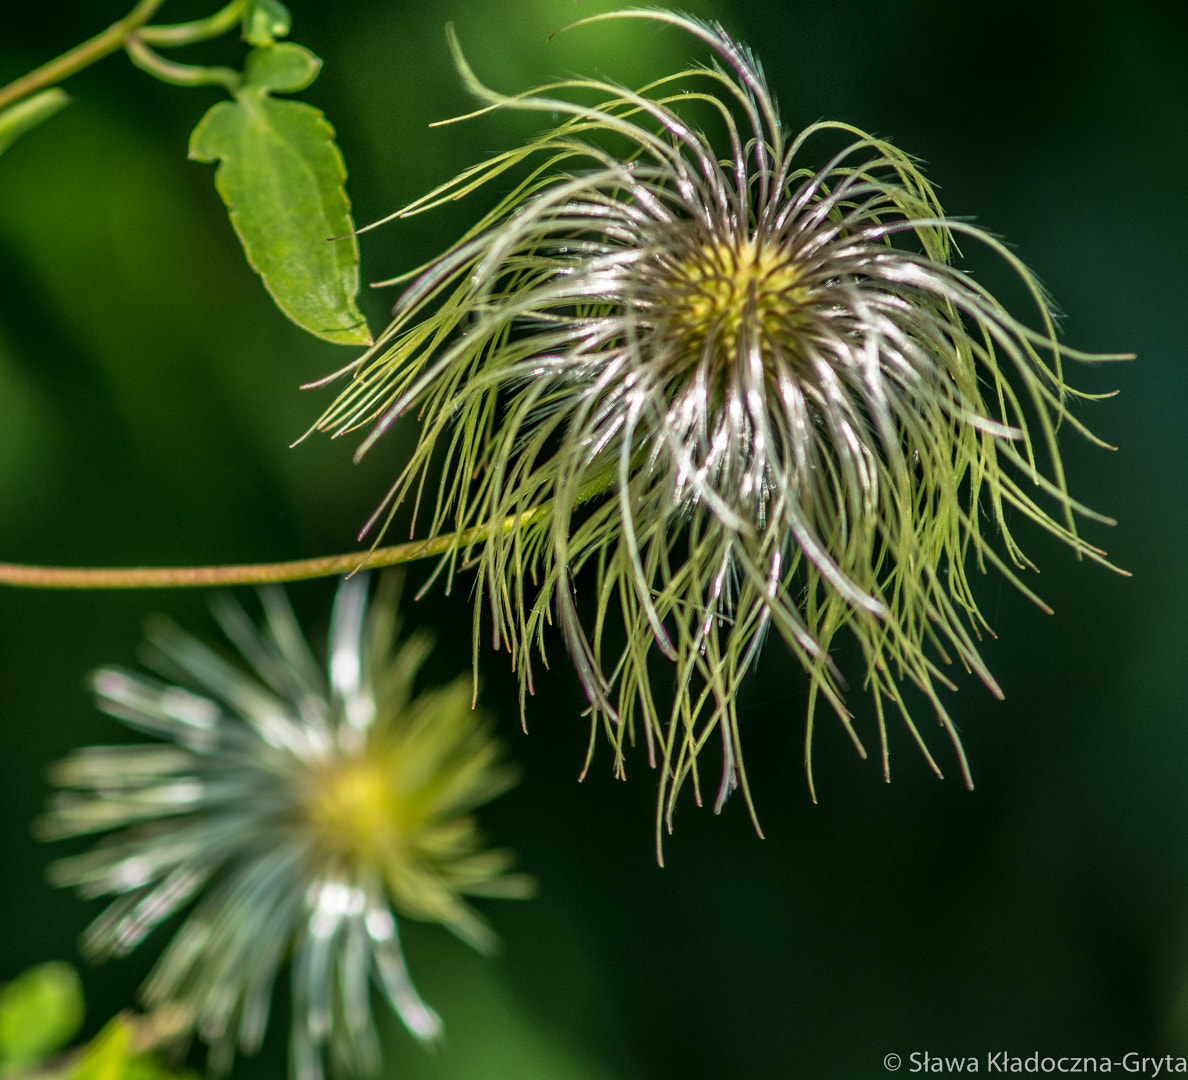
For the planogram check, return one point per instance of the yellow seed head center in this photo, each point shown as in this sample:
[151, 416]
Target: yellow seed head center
[725, 290]
[354, 808]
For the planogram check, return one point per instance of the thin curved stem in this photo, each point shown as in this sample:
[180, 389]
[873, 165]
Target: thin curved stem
[180, 577]
[179, 74]
[104, 44]
[222, 21]
[131, 32]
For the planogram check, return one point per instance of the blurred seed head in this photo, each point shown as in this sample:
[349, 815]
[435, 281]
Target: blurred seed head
[301, 812]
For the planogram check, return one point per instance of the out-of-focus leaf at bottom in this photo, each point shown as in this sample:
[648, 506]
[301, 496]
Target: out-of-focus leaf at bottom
[40, 1011]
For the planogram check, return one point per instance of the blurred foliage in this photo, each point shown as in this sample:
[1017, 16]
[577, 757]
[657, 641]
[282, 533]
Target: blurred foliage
[26, 115]
[41, 1010]
[109, 1057]
[148, 390]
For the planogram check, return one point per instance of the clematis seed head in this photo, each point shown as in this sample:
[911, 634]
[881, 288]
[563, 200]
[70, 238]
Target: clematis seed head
[686, 390]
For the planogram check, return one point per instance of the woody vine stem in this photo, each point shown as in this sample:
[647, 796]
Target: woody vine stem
[173, 577]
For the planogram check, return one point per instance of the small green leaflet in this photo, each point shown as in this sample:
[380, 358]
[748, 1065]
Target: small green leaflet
[264, 21]
[281, 176]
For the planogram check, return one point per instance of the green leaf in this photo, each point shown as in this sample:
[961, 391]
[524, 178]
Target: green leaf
[40, 1011]
[19, 118]
[264, 21]
[281, 69]
[108, 1055]
[282, 177]
[113, 1054]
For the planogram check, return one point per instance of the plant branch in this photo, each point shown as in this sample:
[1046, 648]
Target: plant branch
[172, 577]
[178, 74]
[104, 44]
[169, 37]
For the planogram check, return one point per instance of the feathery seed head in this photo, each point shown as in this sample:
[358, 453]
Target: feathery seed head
[304, 813]
[748, 391]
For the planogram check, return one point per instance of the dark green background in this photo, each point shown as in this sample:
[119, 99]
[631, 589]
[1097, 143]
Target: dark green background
[148, 395]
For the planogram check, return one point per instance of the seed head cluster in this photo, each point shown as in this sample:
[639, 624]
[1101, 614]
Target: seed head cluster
[298, 814]
[687, 389]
